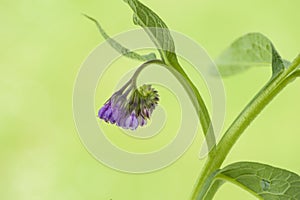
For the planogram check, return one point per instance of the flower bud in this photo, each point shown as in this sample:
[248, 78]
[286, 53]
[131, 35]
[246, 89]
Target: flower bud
[133, 112]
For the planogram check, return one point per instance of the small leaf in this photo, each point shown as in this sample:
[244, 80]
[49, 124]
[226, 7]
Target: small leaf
[250, 50]
[155, 28]
[117, 46]
[264, 181]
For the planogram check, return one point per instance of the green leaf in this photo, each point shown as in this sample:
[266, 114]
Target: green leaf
[155, 28]
[121, 49]
[250, 50]
[161, 37]
[277, 62]
[263, 181]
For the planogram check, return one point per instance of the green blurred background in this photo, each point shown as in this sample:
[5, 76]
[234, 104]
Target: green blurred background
[43, 44]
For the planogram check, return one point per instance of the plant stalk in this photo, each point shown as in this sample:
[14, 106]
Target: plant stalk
[256, 105]
[192, 92]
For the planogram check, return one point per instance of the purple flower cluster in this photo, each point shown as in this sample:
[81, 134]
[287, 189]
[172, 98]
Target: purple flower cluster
[130, 113]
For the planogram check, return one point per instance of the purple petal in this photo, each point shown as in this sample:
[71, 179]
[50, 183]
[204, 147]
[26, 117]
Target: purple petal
[127, 122]
[142, 121]
[103, 110]
[134, 123]
[121, 121]
[107, 115]
[115, 115]
[131, 122]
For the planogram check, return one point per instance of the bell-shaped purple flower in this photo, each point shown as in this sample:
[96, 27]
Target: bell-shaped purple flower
[130, 113]
[106, 112]
[131, 122]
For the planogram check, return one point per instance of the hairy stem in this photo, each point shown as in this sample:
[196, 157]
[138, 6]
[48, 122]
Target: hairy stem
[256, 105]
[198, 103]
[192, 92]
[143, 66]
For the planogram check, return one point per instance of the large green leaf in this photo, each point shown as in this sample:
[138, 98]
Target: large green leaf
[155, 28]
[263, 181]
[250, 50]
[161, 37]
[118, 47]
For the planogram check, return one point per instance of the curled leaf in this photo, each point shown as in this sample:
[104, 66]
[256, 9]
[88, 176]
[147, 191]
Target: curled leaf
[118, 47]
[250, 50]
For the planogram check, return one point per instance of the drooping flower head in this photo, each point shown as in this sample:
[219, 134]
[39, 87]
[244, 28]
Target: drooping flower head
[129, 113]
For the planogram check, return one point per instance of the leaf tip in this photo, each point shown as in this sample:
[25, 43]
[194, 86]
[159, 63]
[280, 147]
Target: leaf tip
[89, 17]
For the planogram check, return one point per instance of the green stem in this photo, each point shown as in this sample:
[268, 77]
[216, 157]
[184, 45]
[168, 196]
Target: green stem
[256, 105]
[192, 92]
[217, 183]
[197, 101]
[143, 66]
[209, 193]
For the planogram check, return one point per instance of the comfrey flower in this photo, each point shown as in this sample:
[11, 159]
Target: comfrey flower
[132, 112]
